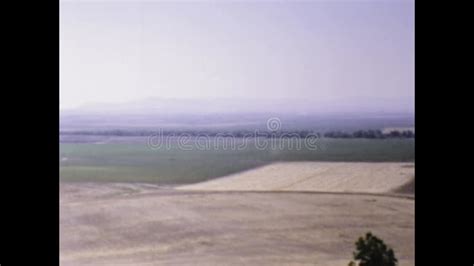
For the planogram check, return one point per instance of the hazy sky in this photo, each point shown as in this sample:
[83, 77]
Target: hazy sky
[358, 53]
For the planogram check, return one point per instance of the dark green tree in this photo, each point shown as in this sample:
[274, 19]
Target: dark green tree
[372, 251]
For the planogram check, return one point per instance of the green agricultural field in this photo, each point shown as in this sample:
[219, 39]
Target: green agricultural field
[137, 162]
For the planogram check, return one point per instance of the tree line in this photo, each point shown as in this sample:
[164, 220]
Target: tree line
[370, 134]
[364, 134]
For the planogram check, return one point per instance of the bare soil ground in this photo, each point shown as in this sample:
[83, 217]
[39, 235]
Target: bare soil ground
[316, 176]
[139, 224]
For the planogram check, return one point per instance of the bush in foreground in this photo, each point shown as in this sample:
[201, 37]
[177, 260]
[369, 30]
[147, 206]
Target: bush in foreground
[372, 251]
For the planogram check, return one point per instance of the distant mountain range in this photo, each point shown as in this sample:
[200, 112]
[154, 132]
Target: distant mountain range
[233, 106]
[229, 113]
